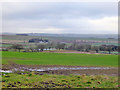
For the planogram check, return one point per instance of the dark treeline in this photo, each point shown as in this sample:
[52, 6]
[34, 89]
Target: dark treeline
[88, 48]
[53, 46]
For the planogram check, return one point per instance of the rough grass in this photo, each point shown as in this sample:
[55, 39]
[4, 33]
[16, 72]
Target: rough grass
[60, 58]
[31, 80]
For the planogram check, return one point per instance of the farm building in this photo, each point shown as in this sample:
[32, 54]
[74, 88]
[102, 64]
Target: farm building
[37, 40]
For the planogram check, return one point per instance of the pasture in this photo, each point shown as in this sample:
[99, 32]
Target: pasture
[74, 59]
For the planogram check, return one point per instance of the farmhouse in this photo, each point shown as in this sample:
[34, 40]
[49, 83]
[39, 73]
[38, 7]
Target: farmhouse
[37, 40]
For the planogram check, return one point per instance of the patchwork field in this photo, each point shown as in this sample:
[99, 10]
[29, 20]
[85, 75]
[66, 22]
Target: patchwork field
[7, 40]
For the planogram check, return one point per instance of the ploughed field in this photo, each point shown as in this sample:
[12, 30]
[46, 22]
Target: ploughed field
[58, 70]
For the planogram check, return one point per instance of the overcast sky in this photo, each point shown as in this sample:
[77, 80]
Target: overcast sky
[61, 17]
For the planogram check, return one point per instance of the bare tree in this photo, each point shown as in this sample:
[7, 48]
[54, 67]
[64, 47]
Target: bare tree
[17, 47]
[60, 45]
[80, 47]
[87, 47]
[109, 49]
[41, 47]
[96, 48]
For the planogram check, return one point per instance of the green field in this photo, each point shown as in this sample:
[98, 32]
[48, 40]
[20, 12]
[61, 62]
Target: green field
[60, 58]
[26, 79]
[31, 80]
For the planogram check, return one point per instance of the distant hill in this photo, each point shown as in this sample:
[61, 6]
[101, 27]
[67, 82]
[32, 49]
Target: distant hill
[114, 36]
[77, 35]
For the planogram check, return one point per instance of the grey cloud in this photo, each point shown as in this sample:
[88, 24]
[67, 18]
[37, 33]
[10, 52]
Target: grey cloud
[61, 10]
[71, 17]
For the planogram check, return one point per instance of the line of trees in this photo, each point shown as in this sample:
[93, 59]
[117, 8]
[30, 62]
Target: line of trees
[36, 47]
[87, 48]
[74, 46]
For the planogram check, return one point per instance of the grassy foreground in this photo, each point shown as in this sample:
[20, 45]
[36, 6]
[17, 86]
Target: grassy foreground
[31, 80]
[59, 58]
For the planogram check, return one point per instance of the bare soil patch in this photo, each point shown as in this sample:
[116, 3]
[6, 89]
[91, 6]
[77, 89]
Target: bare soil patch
[112, 71]
[71, 51]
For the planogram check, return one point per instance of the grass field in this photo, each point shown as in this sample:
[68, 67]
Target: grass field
[60, 58]
[31, 80]
[26, 79]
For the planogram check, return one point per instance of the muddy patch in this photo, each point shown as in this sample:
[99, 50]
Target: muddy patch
[59, 69]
